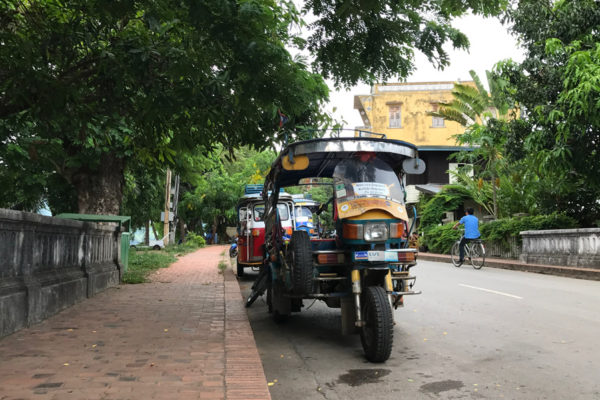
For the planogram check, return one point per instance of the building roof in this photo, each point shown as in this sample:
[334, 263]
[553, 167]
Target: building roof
[429, 188]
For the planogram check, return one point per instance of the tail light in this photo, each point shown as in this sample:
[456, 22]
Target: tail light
[406, 256]
[330, 258]
[255, 232]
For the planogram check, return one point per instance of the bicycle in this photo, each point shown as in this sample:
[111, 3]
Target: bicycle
[474, 251]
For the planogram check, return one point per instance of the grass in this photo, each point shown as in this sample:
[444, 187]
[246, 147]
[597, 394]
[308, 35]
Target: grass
[222, 267]
[144, 262]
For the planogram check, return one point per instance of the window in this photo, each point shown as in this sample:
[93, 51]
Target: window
[259, 212]
[395, 115]
[283, 212]
[454, 168]
[436, 122]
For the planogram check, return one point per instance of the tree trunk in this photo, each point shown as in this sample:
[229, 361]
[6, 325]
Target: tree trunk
[494, 198]
[100, 191]
[147, 234]
[154, 230]
[182, 227]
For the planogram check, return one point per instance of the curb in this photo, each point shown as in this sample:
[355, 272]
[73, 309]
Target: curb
[570, 272]
[244, 374]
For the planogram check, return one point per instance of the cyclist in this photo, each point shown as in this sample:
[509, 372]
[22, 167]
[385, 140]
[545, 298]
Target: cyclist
[471, 224]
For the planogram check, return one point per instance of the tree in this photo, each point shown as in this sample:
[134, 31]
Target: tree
[211, 192]
[473, 104]
[371, 41]
[86, 89]
[144, 194]
[480, 113]
[558, 88]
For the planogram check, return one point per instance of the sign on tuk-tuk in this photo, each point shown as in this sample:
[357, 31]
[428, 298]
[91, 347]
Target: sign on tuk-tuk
[365, 270]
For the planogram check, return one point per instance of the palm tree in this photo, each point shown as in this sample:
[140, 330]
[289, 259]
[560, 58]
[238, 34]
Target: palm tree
[474, 108]
[472, 105]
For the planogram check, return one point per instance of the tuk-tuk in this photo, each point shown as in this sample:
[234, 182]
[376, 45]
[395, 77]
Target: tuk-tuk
[305, 213]
[365, 268]
[251, 225]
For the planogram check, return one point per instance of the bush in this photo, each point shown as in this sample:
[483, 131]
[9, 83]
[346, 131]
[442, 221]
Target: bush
[439, 239]
[194, 240]
[449, 199]
[502, 229]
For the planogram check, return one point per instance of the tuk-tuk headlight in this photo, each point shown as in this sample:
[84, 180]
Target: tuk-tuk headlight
[375, 232]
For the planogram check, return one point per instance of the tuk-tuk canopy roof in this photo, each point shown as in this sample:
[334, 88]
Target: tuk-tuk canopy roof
[257, 198]
[324, 154]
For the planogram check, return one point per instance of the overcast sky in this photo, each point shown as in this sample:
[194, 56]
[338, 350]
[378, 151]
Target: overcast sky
[490, 43]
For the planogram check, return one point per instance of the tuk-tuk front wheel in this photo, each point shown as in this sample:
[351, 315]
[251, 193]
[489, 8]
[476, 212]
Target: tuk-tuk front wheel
[377, 333]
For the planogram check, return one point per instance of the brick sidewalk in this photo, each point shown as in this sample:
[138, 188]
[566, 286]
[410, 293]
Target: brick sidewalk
[186, 335]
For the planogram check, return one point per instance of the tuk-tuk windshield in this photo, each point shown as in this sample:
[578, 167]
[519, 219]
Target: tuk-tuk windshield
[259, 212]
[302, 211]
[372, 177]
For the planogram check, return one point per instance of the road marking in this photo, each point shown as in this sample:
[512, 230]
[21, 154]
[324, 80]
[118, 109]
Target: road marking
[491, 291]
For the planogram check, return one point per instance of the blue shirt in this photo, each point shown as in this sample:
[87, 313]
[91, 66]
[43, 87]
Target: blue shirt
[471, 224]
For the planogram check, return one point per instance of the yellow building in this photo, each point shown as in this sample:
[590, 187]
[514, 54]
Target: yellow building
[399, 110]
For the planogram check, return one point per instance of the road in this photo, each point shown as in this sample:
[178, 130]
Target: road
[484, 334]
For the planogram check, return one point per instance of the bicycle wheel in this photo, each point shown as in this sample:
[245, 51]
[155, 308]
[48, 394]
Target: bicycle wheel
[477, 255]
[258, 288]
[455, 254]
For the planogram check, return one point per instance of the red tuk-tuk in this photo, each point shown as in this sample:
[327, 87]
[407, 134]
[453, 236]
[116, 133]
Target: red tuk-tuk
[251, 226]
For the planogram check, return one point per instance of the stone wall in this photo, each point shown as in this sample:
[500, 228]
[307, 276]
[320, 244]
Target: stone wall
[566, 247]
[48, 264]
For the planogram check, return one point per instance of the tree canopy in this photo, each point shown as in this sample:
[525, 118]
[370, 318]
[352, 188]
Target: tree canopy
[87, 88]
[558, 88]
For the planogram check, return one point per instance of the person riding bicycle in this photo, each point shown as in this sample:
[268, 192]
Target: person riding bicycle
[471, 224]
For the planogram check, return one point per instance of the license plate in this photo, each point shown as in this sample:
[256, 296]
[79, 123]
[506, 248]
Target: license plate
[376, 255]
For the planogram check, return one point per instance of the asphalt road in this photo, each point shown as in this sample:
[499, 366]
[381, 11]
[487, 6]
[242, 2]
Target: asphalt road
[484, 334]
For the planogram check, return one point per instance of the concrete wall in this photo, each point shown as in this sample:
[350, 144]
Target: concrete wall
[566, 247]
[48, 264]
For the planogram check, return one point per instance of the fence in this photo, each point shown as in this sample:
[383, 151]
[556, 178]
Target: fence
[510, 248]
[48, 264]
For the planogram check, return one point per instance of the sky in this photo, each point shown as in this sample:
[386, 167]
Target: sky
[490, 43]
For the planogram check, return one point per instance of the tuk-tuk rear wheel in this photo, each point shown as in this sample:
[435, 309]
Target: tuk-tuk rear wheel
[377, 334]
[240, 269]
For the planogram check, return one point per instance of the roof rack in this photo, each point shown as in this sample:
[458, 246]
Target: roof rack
[253, 189]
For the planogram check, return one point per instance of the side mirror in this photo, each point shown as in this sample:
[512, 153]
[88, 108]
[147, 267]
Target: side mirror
[413, 166]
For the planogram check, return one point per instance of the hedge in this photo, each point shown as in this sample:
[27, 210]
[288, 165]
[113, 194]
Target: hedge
[440, 239]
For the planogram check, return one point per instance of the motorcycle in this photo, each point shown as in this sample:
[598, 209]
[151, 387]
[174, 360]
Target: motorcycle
[233, 249]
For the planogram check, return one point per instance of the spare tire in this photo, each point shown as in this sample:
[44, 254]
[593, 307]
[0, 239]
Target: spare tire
[301, 263]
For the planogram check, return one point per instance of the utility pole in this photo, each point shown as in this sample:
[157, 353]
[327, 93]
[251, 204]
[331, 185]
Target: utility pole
[167, 206]
[175, 193]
